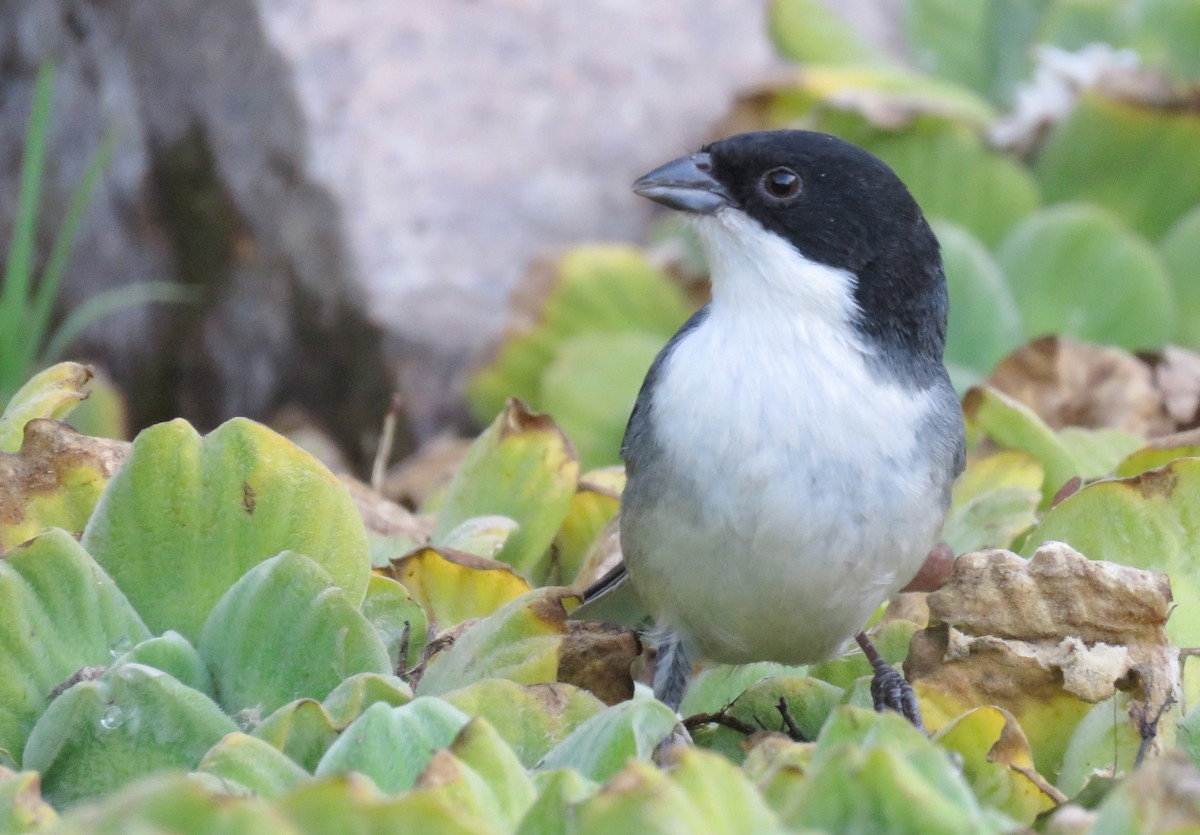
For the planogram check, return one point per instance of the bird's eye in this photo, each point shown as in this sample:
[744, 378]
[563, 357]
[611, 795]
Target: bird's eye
[781, 183]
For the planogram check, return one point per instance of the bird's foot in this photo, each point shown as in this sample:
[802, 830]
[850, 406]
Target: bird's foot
[889, 689]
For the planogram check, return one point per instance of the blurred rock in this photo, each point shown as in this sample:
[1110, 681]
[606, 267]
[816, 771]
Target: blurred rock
[209, 187]
[328, 173]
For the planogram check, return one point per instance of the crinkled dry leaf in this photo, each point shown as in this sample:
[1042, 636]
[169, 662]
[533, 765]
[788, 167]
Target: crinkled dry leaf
[1072, 383]
[1177, 376]
[1043, 638]
[597, 657]
[54, 480]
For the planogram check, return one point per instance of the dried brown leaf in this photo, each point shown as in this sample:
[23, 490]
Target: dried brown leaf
[1039, 637]
[1071, 383]
[383, 516]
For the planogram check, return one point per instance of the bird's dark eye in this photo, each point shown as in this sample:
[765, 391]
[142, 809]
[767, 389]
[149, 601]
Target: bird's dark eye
[781, 183]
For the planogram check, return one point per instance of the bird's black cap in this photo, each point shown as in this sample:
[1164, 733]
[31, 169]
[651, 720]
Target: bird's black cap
[838, 205]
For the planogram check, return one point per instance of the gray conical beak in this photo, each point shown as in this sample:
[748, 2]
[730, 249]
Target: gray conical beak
[686, 184]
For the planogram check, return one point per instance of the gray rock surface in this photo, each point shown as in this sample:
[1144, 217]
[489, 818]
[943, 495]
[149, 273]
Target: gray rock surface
[329, 171]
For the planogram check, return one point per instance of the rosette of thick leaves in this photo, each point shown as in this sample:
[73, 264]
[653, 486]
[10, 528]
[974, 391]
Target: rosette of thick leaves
[60, 616]
[185, 517]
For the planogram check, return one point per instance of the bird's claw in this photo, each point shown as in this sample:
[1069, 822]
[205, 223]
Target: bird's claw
[890, 691]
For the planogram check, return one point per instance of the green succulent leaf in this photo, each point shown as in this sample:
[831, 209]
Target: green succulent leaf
[171, 653]
[595, 503]
[704, 793]
[994, 500]
[531, 718]
[351, 803]
[59, 614]
[986, 324]
[1087, 157]
[810, 32]
[104, 414]
[186, 517]
[1063, 455]
[1148, 800]
[590, 387]
[640, 799]
[1180, 249]
[955, 178]
[1076, 269]
[874, 772]
[716, 686]
[593, 289]
[397, 619]
[559, 792]
[519, 642]
[808, 702]
[522, 467]
[98, 736]
[891, 640]
[1158, 453]
[483, 536]
[601, 746]
[982, 44]
[354, 695]
[1165, 34]
[284, 631]
[507, 792]
[176, 803]
[51, 393]
[303, 730]
[393, 745]
[21, 806]
[1103, 742]
[856, 101]
[250, 762]
[1189, 735]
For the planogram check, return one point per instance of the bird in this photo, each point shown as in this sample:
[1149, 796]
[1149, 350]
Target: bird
[791, 452]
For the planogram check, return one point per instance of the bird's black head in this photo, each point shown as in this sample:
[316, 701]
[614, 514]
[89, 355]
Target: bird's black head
[838, 206]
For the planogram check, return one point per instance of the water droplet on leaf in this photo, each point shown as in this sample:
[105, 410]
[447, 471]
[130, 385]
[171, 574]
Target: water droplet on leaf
[113, 718]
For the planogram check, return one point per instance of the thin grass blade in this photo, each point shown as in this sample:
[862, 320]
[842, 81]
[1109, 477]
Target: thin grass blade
[108, 302]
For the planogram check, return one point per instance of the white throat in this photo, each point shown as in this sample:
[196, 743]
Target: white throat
[758, 274]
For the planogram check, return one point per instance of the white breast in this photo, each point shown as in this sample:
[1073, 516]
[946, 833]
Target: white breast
[788, 497]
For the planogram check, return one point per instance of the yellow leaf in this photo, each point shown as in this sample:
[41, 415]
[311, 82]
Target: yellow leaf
[453, 586]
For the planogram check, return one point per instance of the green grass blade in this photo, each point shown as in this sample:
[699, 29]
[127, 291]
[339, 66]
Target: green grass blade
[15, 293]
[60, 251]
[110, 301]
